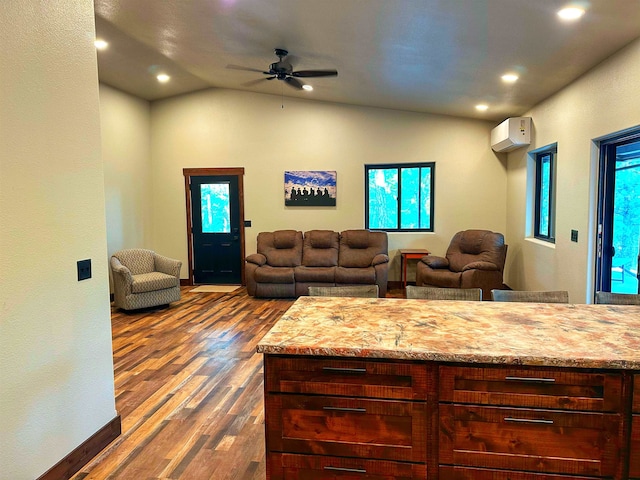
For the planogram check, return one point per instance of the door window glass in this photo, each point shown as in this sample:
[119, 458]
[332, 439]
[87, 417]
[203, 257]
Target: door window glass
[626, 219]
[216, 214]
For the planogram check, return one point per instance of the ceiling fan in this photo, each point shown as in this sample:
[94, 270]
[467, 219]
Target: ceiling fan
[283, 70]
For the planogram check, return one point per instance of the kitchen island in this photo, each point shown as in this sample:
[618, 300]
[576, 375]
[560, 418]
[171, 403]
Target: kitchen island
[394, 388]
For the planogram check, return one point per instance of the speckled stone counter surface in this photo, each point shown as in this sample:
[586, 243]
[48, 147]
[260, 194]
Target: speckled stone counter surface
[585, 336]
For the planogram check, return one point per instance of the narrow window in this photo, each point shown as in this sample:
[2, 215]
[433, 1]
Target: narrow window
[399, 197]
[544, 227]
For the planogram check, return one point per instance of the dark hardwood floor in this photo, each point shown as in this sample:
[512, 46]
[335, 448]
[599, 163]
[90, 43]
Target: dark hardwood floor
[189, 388]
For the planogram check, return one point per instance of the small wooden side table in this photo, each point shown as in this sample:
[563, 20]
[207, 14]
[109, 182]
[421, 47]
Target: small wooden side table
[408, 254]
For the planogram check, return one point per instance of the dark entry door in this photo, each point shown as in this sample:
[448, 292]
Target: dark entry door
[619, 216]
[216, 236]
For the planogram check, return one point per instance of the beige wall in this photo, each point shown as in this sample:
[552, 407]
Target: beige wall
[227, 128]
[125, 121]
[602, 102]
[56, 369]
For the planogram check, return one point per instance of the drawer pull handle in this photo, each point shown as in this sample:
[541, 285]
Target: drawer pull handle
[346, 409]
[344, 370]
[531, 379]
[529, 420]
[351, 470]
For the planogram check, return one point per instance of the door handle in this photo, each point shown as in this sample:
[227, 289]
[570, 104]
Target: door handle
[346, 409]
[531, 379]
[344, 370]
[529, 420]
[344, 469]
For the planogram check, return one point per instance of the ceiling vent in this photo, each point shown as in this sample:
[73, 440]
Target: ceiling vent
[511, 134]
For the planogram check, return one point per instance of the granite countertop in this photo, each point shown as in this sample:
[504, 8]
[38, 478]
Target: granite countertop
[566, 335]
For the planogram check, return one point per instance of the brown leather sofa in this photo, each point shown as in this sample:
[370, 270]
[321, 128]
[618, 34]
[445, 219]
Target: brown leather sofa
[287, 262]
[474, 259]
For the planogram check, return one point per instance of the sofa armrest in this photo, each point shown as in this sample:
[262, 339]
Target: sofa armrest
[167, 265]
[257, 258]
[121, 274]
[379, 259]
[435, 262]
[487, 266]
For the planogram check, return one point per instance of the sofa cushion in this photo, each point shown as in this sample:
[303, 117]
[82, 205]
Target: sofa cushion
[356, 238]
[320, 248]
[285, 238]
[149, 282]
[315, 274]
[269, 274]
[471, 241]
[322, 238]
[475, 246]
[440, 278]
[361, 255]
[282, 248]
[355, 275]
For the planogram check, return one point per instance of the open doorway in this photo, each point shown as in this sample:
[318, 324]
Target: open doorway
[618, 253]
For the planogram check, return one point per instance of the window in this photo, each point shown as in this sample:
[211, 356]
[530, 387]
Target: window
[399, 197]
[545, 221]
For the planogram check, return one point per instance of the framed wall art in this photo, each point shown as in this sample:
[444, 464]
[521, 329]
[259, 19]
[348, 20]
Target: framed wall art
[303, 188]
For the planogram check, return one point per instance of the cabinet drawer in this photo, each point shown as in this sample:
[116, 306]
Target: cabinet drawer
[636, 394]
[351, 378]
[634, 447]
[376, 429]
[532, 387]
[467, 473]
[312, 467]
[527, 439]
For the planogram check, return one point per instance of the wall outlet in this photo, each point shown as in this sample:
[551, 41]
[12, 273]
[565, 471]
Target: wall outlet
[247, 223]
[574, 236]
[84, 269]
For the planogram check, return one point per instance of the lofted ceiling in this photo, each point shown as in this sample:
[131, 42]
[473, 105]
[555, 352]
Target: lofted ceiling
[437, 56]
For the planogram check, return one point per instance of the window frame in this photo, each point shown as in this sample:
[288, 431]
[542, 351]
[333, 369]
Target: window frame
[399, 166]
[540, 156]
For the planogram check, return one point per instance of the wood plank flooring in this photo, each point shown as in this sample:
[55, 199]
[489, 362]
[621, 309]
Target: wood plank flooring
[189, 388]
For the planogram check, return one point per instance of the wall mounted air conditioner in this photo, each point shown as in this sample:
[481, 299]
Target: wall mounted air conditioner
[511, 134]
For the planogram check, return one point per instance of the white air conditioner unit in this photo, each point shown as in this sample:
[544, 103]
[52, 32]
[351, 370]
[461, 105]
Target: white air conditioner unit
[511, 134]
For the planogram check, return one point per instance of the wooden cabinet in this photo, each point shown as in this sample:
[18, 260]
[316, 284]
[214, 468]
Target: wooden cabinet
[551, 421]
[532, 387]
[335, 418]
[350, 418]
[314, 467]
[634, 444]
[529, 439]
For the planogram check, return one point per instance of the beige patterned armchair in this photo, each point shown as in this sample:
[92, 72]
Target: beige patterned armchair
[142, 278]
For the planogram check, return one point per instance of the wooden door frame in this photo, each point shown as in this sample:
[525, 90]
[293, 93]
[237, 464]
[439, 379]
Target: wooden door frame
[213, 172]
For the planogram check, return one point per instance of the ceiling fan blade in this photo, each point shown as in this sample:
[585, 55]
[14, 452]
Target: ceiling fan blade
[315, 73]
[294, 82]
[246, 69]
[251, 83]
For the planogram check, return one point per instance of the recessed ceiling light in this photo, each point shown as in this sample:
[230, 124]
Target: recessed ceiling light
[509, 77]
[571, 13]
[482, 107]
[308, 88]
[100, 44]
[163, 78]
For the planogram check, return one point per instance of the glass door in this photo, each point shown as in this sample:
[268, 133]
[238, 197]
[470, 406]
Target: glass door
[619, 216]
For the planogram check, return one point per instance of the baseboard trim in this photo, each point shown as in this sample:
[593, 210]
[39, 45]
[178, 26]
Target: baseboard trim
[185, 282]
[78, 458]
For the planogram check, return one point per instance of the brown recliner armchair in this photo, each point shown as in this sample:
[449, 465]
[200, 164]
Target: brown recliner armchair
[474, 259]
